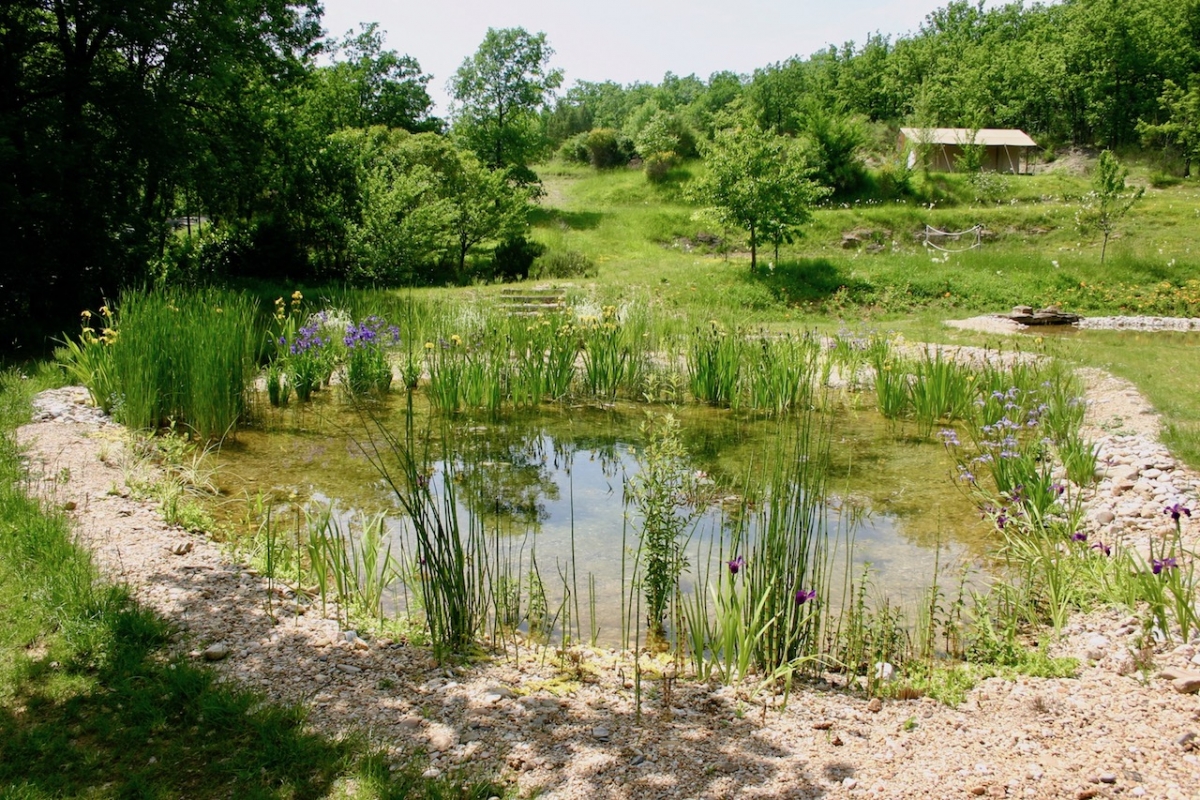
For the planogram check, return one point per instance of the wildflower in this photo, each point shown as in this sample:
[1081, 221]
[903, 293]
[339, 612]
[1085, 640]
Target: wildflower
[949, 437]
[429, 345]
[1103, 548]
[736, 565]
[804, 595]
[1001, 520]
[1176, 511]
[1079, 536]
[86, 315]
[965, 475]
[1161, 564]
[1057, 488]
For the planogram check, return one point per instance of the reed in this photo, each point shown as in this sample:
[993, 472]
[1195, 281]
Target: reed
[184, 357]
[714, 365]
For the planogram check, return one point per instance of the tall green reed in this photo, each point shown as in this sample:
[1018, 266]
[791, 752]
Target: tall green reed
[452, 569]
[186, 356]
[714, 363]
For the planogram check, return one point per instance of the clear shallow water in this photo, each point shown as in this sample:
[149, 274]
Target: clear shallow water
[550, 486]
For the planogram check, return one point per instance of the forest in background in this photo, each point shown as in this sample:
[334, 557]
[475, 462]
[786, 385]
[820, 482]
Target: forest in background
[188, 142]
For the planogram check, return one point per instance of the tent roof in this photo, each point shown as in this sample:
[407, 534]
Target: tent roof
[995, 137]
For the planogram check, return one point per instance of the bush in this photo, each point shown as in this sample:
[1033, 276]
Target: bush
[575, 150]
[895, 180]
[563, 264]
[512, 260]
[607, 148]
[1164, 180]
[658, 165]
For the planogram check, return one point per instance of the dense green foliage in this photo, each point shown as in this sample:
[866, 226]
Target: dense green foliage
[193, 142]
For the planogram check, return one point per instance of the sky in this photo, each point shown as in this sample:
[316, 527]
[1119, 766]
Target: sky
[627, 41]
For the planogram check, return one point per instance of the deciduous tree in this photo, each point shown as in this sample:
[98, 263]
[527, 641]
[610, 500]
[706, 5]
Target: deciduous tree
[758, 182]
[1107, 204]
[498, 94]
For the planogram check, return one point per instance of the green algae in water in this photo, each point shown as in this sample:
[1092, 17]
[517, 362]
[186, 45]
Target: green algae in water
[550, 486]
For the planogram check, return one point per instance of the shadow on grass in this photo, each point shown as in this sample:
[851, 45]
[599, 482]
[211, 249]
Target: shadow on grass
[540, 217]
[128, 723]
[809, 280]
[125, 722]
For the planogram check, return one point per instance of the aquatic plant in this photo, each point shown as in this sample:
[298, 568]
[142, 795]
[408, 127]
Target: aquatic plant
[367, 368]
[183, 356]
[657, 492]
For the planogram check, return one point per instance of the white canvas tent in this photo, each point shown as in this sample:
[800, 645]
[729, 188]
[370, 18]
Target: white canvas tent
[1005, 150]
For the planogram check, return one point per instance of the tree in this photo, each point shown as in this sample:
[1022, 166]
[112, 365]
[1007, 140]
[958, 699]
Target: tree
[1107, 204]
[1181, 131]
[109, 114]
[367, 85]
[758, 182]
[498, 94]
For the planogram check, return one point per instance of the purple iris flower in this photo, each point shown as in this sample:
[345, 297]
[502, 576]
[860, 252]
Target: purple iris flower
[1103, 548]
[1079, 536]
[1176, 511]
[736, 565]
[1161, 564]
[804, 595]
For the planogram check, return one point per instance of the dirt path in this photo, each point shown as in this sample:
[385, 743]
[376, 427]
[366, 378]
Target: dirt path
[574, 733]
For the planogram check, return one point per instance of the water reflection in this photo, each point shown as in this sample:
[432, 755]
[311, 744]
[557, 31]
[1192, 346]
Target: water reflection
[550, 488]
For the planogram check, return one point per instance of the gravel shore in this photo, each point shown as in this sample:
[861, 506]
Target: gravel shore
[566, 726]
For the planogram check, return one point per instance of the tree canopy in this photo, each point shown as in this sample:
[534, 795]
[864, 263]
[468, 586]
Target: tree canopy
[757, 182]
[499, 93]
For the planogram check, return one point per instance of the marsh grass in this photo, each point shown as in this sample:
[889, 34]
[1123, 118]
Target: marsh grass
[715, 365]
[186, 357]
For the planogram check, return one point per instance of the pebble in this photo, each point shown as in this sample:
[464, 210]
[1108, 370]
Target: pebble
[216, 652]
[601, 733]
[1182, 680]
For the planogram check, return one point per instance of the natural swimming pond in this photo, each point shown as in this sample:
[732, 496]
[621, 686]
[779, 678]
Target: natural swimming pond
[548, 493]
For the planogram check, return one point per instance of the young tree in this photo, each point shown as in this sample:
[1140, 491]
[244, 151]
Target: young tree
[758, 182]
[1107, 204]
[498, 94]
[1181, 131]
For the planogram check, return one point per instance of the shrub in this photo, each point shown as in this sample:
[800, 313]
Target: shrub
[606, 148]
[658, 165]
[563, 264]
[1164, 180]
[575, 150]
[512, 260]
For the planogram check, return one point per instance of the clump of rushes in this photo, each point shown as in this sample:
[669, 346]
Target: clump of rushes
[173, 356]
[610, 361]
[714, 365]
[367, 368]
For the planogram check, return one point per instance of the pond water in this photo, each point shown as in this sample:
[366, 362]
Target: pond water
[551, 486]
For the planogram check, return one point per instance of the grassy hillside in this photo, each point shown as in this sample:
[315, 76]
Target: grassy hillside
[650, 238]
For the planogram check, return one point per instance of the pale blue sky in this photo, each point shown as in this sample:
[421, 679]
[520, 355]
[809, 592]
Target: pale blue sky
[628, 41]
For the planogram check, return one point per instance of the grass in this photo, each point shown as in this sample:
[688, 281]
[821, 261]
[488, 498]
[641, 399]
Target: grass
[93, 704]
